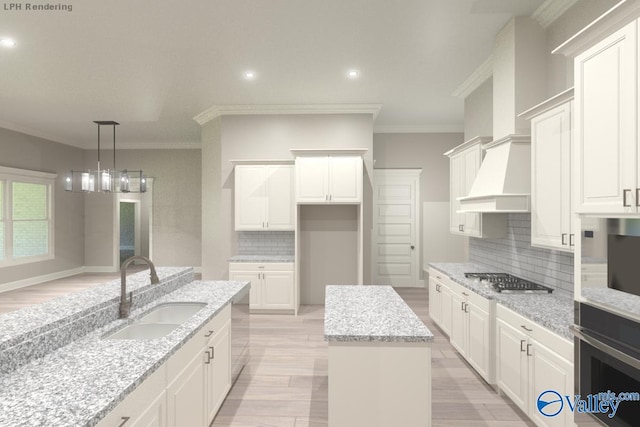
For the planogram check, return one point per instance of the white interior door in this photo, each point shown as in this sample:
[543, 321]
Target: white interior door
[396, 227]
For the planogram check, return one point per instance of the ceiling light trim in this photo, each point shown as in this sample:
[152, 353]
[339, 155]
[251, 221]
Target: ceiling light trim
[551, 10]
[419, 129]
[273, 109]
[483, 73]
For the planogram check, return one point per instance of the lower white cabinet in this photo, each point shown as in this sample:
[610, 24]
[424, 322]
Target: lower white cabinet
[272, 284]
[468, 319]
[527, 367]
[188, 389]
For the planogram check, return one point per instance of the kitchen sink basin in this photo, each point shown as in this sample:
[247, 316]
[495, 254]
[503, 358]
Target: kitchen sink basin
[174, 312]
[143, 331]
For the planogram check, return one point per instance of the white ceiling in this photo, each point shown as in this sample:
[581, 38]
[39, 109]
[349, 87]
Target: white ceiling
[152, 65]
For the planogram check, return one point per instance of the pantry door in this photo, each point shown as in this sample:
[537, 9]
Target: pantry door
[395, 236]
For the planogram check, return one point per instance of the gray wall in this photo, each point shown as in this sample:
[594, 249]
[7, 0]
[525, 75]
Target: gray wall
[514, 254]
[425, 151]
[268, 137]
[22, 151]
[176, 232]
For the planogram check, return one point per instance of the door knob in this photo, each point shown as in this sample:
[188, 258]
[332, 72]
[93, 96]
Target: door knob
[412, 247]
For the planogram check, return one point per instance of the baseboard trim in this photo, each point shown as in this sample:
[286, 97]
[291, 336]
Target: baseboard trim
[9, 286]
[100, 269]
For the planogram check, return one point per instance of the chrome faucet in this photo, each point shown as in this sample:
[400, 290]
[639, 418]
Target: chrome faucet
[125, 305]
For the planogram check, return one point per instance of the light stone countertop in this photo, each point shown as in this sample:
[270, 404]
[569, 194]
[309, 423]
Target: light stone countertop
[370, 313]
[262, 258]
[79, 384]
[623, 302]
[554, 312]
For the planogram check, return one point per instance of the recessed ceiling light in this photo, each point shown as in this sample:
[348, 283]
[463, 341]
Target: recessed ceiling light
[6, 42]
[353, 74]
[249, 75]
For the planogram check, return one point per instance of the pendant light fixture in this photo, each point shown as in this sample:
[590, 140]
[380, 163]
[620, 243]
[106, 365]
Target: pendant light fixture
[106, 180]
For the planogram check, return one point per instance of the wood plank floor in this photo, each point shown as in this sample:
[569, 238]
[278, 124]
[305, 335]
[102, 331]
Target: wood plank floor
[285, 382]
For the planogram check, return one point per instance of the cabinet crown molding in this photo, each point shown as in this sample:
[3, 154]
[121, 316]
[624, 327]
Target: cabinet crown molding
[468, 143]
[548, 104]
[328, 151]
[612, 20]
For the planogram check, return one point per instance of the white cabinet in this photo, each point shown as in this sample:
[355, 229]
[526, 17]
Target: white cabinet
[329, 179]
[606, 95]
[551, 173]
[272, 284]
[464, 164]
[188, 389]
[467, 318]
[264, 197]
[144, 407]
[472, 320]
[527, 367]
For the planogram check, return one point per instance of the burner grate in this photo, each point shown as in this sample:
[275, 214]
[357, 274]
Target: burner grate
[504, 282]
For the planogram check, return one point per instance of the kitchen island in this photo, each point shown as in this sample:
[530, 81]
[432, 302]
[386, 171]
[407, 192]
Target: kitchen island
[379, 359]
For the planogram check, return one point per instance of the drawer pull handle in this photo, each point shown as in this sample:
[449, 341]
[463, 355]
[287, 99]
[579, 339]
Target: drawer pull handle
[525, 328]
[208, 361]
[465, 294]
[624, 197]
[213, 352]
[571, 238]
[208, 334]
[564, 237]
[528, 347]
[124, 421]
[521, 343]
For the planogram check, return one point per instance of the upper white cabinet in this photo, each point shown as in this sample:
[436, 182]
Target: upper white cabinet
[551, 173]
[607, 152]
[329, 179]
[264, 197]
[464, 163]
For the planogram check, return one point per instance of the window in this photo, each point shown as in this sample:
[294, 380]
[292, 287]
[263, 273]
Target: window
[26, 216]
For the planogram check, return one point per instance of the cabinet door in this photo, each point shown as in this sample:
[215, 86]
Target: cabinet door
[185, 401]
[472, 161]
[606, 116]
[479, 339]
[217, 371]
[277, 290]
[312, 179]
[447, 309]
[250, 197]
[279, 197]
[512, 373]
[551, 179]
[458, 327]
[456, 190]
[255, 292]
[345, 179]
[549, 371]
[154, 415]
[435, 302]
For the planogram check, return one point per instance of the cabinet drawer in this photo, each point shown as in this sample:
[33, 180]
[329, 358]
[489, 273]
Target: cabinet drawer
[436, 275]
[551, 340]
[216, 324]
[260, 266]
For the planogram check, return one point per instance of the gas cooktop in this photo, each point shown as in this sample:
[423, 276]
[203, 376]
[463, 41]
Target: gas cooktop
[506, 283]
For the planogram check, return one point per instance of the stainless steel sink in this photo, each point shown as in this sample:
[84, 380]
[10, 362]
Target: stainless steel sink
[173, 312]
[143, 331]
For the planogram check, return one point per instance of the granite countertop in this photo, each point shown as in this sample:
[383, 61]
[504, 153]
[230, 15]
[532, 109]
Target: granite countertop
[623, 302]
[80, 383]
[262, 258]
[370, 313]
[554, 312]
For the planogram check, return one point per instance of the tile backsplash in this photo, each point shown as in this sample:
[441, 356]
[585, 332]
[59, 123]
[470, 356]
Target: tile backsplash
[266, 243]
[514, 254]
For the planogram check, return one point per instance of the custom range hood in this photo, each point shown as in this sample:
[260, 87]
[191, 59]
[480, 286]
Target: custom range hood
[503, 183]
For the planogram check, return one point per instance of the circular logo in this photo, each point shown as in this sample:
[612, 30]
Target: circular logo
[550, 403]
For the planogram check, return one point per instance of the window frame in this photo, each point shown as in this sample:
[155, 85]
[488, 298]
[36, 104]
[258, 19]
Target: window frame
[8, 176]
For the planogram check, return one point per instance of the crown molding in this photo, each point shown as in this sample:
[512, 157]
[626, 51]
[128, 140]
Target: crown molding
[243, 110]
[551, 10]
[473, 82]
[468, 143]
[419, 129]
[546, 105]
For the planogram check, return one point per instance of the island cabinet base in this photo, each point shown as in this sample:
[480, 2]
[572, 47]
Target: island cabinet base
[379, 384]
